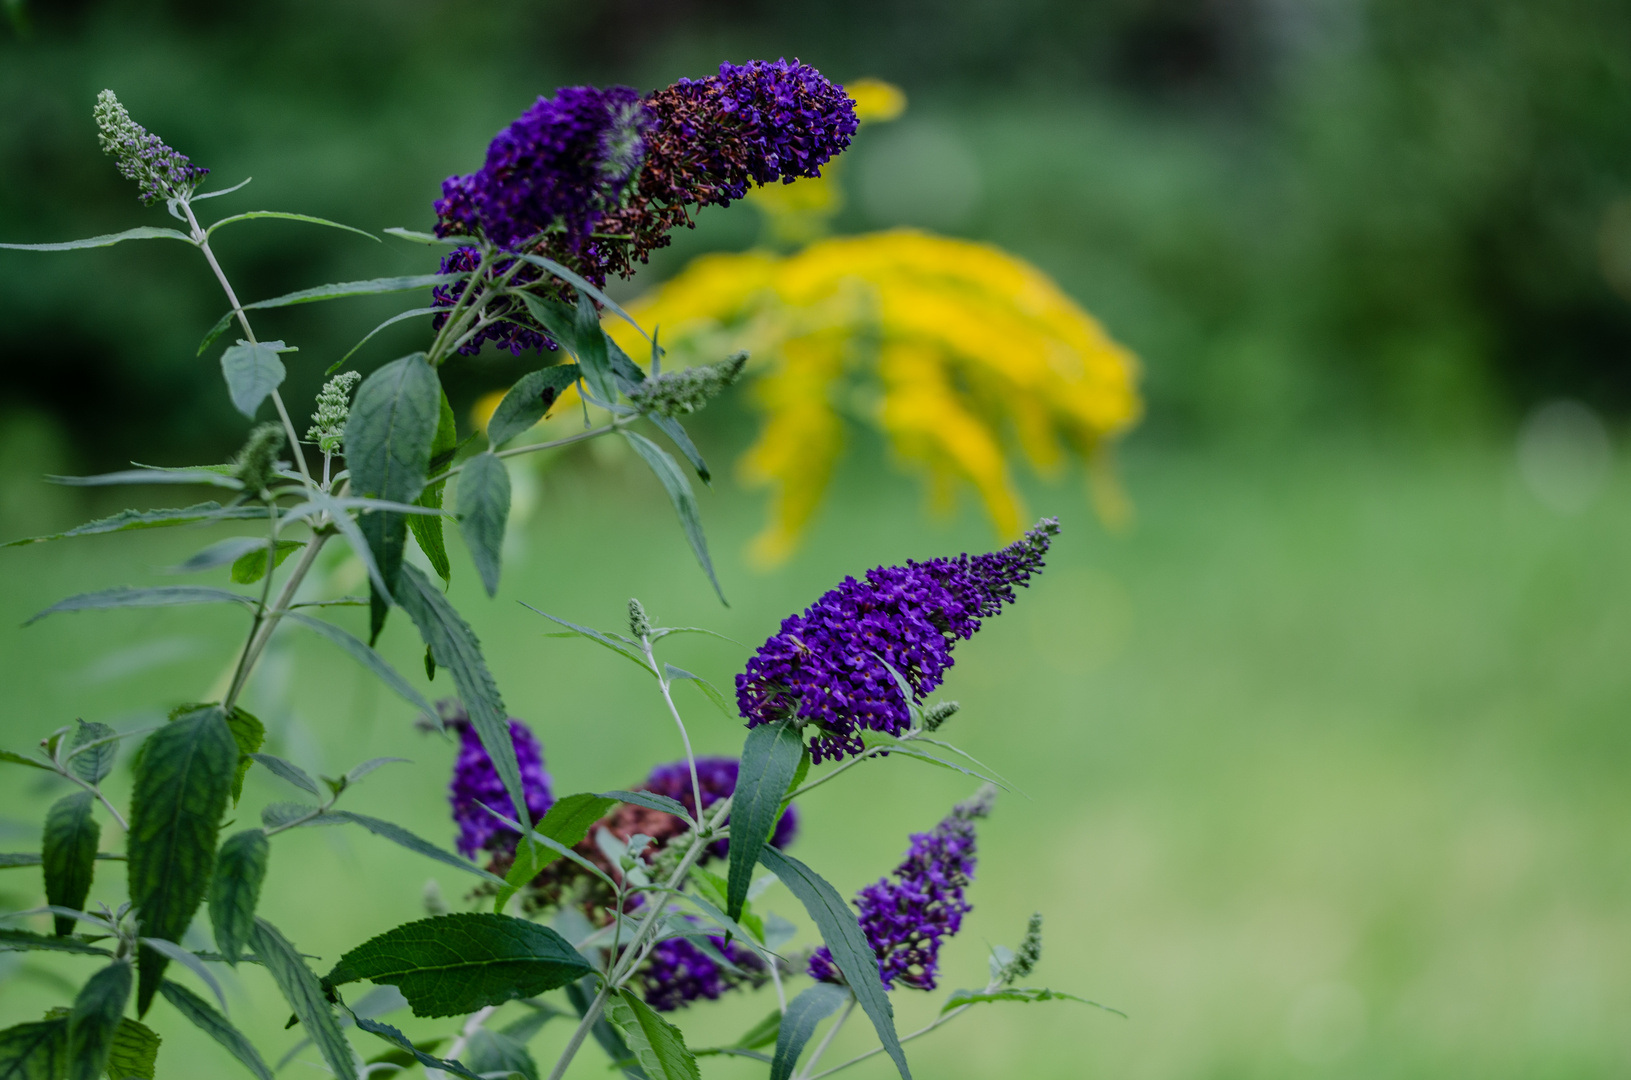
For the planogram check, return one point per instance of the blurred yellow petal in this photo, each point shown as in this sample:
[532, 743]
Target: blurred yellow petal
[482, 411]
[876, 100]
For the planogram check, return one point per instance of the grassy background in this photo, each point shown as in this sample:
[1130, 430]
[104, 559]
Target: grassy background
[1324, 758]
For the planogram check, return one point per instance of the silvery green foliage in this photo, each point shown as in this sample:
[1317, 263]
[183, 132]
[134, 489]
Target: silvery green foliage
[608, 898]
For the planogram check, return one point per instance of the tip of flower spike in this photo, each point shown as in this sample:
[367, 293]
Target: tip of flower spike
[979, 806]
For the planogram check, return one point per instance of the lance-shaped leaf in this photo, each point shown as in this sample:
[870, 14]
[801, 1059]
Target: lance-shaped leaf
[484, 509]
[685, 503]
[851, 951]
[657, 1045]
[413, 1053]
[252, 371]
[338, 291]
[144, 232]
[427, 529]
[12, 940]
[92, 751]
[414, 843]
[368, 658]
[124, 596]
[191, 961]
[184, 776]
[770, 758]
[209, 475]
[567, 822]
[671, 427]
[305, 996]
[135, 1052]
[652, 801]
[450, 965]
[37, 1051]
[583, 286]
[528, 401]
[285, 216]
[492, 1052]
[960, 998]
[216, 1026]
[289, 771]
[126, 520]
[239, 871]
[95, 1018]
[250, 567]
[69, 854]
[803, 1014]
[453, 645]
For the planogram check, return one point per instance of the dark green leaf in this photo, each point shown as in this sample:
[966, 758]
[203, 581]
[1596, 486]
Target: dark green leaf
[126, 520]
[216, 1027]
[1018, 993]
[709, 690]
[850, 950]
[414, 1053]
[144, 232]
[484, 509]
[580, 994]
[333, 292]
[493, 1052]
[685, 503]
[94, 1020]
[14, 758]
[248, 732]
[427, 530]
[184, 777]
[240, 869]
[253, 214]
[28, 941]
[398, 835]
[369, 659]
[761, 1034]
[651, 801]
[428, 239]
[803, 1014]
[770, 757]
[148, 474]
[357, 772]
[656, 1044]
[567, 822]
[252, 372]
[190, 960]
[71, 837]
[288, 770]
[124, 596]
[392, 321]
[305, 996]
[135, 1052]
[528, 401]
[37, 1051]
[94, 764]
[250, 567]
[583, 286]
[591, 350]
[621, 649]
[454, 646]
[455, 964]
[671, 427]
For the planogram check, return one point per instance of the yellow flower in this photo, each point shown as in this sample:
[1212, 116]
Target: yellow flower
[965, 350]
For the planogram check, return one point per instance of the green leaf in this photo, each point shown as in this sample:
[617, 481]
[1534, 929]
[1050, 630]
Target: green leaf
[427, 531]
[392, 321]
[135, 1051]
[484, 509]
[685, 503]
[305, 996]
[288, 770]
[671, 427]
[240, 185]
[248, 732]
[580, 994]
[126, 520]
[240, 868]
[95, 1018]
[250, 567]
[761, 1034]
[14, 758]
[398, 835]
[254, 214]
[567, 823]
[709, 690]
[841, 932]
[252, 372]
[428, 239]
[493, 1052]
[657, 1045]
[528, 401]
[210, 475]
[27, 941]
[770, 757]
[803, 1014]
[369, 659]
[144, 232]
[583, 286]
[590, 349]
[652, 801]
[526, 1027]
[37, 1051]
[453, 645]
[124, 596]
[94, 764]
[414, 1053]
[337, 291]
[191, 961]
[623, 650]
[215, 1026]
[184, 776]
[69, 854]
[450, 965]
[1017, 993]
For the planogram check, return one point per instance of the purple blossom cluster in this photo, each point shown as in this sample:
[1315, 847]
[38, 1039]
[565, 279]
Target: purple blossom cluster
[717, 778]
[159, 171]
[476, 783]
[679, 972]
[829, 667]
[906, 919]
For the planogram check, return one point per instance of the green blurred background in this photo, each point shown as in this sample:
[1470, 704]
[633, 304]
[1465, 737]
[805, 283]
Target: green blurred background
[1324, 757]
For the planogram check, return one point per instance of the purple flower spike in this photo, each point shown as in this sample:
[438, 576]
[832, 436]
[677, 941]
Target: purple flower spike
[679, 973]
[907, 919]
[717, 778]
[829, 667]
[476, 783]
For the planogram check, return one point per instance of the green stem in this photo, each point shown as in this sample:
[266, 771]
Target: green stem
[826, 1040]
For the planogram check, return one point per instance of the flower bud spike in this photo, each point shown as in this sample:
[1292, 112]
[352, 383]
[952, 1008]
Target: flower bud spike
[159, 171]
[333, 404]
[639, 624]
[688, 389]
[938, 713]
[256, 463]
[1027, 956]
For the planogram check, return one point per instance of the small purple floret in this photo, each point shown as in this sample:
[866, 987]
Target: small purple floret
[679, 973]
[476, 782]
[717, 778]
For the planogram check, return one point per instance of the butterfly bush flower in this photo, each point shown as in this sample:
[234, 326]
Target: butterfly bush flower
[476, 783]
[159, 171]
[717, 778]
[679, 973]
[907, 918]
[828, 668]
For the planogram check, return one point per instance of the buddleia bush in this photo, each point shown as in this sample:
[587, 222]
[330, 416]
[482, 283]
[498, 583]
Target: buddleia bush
[612, 911]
